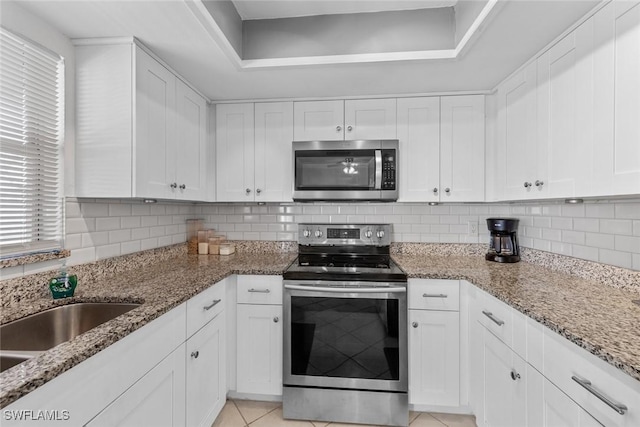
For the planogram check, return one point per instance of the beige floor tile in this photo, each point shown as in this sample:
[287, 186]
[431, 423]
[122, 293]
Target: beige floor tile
[251, 410]
[350, 425]
[453, 420]
[319, 423]
[413, 416]
[229, 417]
[425, 420]
[274, 419]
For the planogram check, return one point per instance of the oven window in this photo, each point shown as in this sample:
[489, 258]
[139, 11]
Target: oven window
[335, 170]
[344, 337]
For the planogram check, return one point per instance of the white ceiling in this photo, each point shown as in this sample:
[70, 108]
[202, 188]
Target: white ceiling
[269, 9]
[517, 31]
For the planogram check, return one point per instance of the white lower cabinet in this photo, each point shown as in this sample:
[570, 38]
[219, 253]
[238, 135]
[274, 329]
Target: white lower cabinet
[157, 399]
[259, 369]
[206, 373]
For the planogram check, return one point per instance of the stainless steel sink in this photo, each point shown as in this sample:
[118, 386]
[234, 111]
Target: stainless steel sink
[27, 337]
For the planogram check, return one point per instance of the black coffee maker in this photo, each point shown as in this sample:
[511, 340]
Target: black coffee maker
[503, 240]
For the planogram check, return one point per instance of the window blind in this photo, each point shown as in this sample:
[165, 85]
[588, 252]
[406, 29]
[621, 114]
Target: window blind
[31, 135]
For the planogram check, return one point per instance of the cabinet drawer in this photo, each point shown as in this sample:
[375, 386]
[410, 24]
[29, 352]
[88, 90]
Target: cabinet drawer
[260, 290]
[425, 294]
[566, 365]
[496, 317]
[205, 306]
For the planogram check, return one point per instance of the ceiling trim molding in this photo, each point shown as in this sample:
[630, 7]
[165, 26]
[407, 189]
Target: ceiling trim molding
[216, 33]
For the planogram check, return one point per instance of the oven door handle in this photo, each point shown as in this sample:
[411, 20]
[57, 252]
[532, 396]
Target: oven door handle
[336, 290]
[378, 184]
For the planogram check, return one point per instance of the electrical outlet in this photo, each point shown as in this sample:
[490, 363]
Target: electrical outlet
[472, 227]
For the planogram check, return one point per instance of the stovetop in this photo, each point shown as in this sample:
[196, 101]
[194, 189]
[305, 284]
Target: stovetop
[344, 252]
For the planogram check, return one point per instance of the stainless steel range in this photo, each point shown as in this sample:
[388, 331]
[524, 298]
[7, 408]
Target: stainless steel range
[345, 327]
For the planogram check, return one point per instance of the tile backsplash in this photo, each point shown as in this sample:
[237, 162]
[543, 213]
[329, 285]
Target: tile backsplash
[601, 231]
[604, 231]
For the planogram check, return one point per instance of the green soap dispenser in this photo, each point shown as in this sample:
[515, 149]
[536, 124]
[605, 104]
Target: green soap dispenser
[64, 285]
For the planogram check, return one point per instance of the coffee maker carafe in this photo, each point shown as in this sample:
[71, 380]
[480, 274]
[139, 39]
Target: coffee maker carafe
[503, 240]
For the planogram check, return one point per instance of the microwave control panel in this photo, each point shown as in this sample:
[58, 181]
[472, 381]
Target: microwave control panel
[389, 169]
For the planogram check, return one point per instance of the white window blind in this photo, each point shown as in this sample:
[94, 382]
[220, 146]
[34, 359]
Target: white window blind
[31, 135]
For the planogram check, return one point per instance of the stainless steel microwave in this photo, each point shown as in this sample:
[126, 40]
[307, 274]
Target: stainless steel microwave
[362, 170]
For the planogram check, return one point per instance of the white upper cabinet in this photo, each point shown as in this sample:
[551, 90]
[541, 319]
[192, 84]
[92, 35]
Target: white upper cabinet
[141, 131]
[419, 139]
[370, 119]
[318, 121]
[234, 152]
[250, 140]
[516, 136]
[273, 153]
[462, 148]
[345, 120]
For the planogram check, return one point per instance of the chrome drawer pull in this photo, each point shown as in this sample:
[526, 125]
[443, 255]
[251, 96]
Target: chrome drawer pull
[618, 407]
[434, 296]
[492, 317]
[260, 291]
[213, 304]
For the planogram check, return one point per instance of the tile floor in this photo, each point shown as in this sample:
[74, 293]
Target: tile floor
[242, 413]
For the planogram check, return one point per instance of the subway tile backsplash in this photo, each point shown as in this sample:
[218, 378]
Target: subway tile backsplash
[603, 231]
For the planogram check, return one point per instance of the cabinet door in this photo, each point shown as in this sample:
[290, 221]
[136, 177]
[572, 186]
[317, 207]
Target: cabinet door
[206, 373]
[461, 148]
[234, 153]
[419, 138]
[625, 157]
[155, 127]
[505, 393]
[560, 411]
[273, 155]
[318, 121]
[434, 357]
[190, 147]
[516, 133]
[558, 112]
[157, 399]
[370, 119]
[259, 349]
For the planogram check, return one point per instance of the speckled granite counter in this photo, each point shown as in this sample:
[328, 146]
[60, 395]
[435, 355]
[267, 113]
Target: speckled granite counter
[160, 286]
[602, 319]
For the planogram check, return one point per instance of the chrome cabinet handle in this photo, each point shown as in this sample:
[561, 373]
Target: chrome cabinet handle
[247, 191]
[195, 354]
[447, 190]
[260, 291]
[539, 183]
[435, 296]
[414, 324]
[213, 304]
[349, 128]
[183, 187]
[492, 317]
[527, 184]
[515, 375]
[276, 319]
[338, 128]
[173, 185]
[618, 407]
[258, 191]
[435, 190]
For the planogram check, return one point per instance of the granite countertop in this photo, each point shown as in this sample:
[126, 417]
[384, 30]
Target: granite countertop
[159, 286]
[601, 319]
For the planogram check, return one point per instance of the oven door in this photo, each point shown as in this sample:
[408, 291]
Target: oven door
[345, 335]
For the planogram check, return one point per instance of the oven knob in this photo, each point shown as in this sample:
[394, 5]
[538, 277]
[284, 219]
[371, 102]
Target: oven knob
[380, 234]
[306, 233]
[368, 234]
[318, 233]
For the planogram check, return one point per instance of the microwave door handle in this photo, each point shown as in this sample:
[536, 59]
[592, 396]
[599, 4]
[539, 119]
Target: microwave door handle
[378, 184]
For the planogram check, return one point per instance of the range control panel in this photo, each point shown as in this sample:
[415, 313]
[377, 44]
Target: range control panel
[344, 234]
